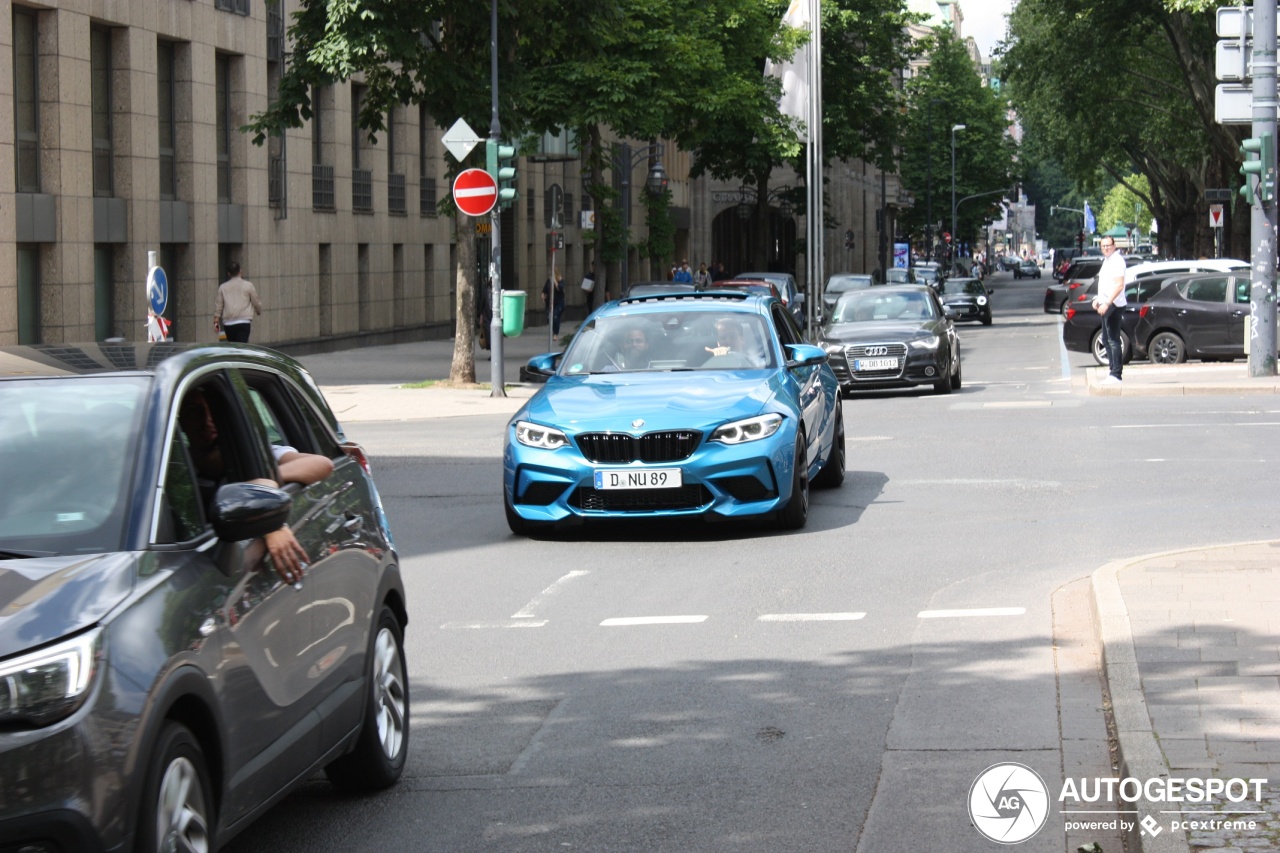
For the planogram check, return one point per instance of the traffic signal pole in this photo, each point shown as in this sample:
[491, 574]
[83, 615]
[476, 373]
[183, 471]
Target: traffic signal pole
[1262, 291]
[496, 381]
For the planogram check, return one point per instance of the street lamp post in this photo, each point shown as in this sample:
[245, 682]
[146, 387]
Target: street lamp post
[928, 192]
[654, 184]
[955, 235]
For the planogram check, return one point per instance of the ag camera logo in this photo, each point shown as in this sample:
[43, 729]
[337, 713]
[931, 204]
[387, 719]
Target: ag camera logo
[1008, 803]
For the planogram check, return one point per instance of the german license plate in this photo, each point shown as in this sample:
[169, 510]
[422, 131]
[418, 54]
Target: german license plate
[875, 364]
[640, 478]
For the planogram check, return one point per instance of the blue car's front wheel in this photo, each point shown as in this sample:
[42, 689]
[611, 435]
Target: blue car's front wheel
[796, 513]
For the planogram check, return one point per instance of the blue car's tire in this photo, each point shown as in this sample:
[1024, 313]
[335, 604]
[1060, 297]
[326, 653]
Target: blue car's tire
[795, 514]
[832, 474]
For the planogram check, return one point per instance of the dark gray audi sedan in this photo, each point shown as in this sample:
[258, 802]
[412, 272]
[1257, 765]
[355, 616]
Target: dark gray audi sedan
[188, 626]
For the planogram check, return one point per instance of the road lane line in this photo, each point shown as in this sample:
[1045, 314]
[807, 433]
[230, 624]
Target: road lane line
[526, 612]
[810, 617]
[466, 626]
[623, 621]
[976, 611]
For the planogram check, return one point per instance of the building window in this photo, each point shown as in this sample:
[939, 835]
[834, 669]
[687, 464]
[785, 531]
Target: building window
[222, 107]
[361, 179]
[397, 202]
[277, 153]
[100, 95]
[239, 7]
[426, 173]
[103, 290]
[28, 293]
[167, 120]
[26, 97]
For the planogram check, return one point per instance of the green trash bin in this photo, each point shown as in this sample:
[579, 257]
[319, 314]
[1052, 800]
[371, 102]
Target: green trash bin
[512, 312]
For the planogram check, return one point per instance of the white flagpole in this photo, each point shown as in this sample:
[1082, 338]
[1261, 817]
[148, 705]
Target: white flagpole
[815, 111]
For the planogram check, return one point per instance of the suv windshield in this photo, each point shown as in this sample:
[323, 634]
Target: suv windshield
[681, 340]
[69, 443]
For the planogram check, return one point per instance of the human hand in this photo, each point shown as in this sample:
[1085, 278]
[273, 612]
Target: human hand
[717, 350]
[287, 555]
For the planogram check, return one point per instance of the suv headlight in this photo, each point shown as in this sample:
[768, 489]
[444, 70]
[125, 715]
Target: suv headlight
[930, 342]
[535, 435]
[751, 429]
[982, 300]
[48, 685]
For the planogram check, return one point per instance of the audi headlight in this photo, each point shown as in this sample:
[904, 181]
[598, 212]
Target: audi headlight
[751, 429]
[535, 435]
[48, 685]
[830, 347]
[930, 342]
[982, 300]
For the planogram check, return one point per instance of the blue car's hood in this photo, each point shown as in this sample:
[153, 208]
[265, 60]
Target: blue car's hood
[677, 400]
[46, 598]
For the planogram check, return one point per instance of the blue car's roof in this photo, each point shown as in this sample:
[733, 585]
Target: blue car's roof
[716, 300]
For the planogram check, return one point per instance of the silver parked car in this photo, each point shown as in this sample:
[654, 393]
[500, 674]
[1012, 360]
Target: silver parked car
[174, 657]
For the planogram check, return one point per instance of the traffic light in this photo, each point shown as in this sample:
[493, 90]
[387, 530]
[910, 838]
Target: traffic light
[1263, 166]
[500, 166]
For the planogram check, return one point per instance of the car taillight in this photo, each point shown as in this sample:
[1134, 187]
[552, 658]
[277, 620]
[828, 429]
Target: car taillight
[1071, 312]
[1074, 285]
[1082, 297]
[1144, 310]
[356, 452]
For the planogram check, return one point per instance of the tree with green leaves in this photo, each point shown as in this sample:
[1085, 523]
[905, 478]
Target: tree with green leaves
[1124, 205]
[946, 93]
[1120, 88]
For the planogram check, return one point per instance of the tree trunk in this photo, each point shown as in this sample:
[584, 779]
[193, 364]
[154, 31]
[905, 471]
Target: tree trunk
[463, 369]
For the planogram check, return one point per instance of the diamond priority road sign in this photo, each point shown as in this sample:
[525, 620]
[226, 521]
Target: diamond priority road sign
[475, 192]
[460, 139]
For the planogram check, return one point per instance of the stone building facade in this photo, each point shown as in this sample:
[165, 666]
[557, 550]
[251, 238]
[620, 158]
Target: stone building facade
[119, 137]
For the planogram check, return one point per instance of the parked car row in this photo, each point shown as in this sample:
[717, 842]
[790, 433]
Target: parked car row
[1171, 318]
[1081, 280]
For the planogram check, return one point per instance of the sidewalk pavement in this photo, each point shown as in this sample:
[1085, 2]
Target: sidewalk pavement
[1190, 639]
[1191, 648]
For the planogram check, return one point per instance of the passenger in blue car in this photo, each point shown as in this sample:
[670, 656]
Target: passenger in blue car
[730, 341]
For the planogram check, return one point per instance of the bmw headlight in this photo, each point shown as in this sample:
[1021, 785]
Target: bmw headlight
[751, 429]
[930, 342]
[48, 685]
[982, 300]
[535, 435]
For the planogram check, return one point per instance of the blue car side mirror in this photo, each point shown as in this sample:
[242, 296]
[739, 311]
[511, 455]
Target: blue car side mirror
[804, 355]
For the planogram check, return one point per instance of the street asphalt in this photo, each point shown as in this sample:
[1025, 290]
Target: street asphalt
[1189, 641]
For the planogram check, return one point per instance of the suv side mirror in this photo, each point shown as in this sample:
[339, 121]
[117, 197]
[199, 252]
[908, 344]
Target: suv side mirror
[248, 511]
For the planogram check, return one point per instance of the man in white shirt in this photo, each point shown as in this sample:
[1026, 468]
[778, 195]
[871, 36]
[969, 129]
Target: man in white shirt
[1108, 302]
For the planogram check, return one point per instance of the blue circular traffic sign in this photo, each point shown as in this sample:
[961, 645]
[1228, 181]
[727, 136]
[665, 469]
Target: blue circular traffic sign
[157, 290]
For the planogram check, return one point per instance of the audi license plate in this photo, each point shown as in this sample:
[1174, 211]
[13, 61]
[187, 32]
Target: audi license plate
[641, 478]
[875, 364]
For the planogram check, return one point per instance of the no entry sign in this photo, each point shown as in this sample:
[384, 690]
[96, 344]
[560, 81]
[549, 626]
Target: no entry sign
[475, 192]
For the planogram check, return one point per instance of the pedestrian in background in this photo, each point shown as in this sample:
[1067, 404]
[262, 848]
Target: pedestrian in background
[1108, 302]
[589, 286]
[557, 309]
[236, 307]
[702, 278]
[719, 274]
[683, 274]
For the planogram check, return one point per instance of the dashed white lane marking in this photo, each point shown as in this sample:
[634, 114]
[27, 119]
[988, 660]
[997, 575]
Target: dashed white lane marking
[622, 621]
[1019, 404]
[1166, 426]
[810, 617]
[975, 611]
[526, 612]
[524, 623]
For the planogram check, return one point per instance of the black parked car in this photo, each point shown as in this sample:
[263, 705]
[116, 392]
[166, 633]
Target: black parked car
[969, 298]
[897, 336]
[1201, 316]
[1082, 325]
[163, 680]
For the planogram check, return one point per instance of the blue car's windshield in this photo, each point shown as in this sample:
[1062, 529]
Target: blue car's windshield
[66, 455]
[676, 340]
[862, 306]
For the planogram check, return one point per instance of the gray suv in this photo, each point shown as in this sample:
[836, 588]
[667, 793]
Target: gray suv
[174, 657]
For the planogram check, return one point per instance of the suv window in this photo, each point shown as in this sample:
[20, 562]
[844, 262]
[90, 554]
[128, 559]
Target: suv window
[1206, 290]
[1244, 287]
[1084, 268]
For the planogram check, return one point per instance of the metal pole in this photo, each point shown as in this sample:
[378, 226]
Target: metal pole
[928, 192]
[625, 165]
[816, 284]
[551, 298]
[1262, 291]
[497, 384]
[955, 236]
